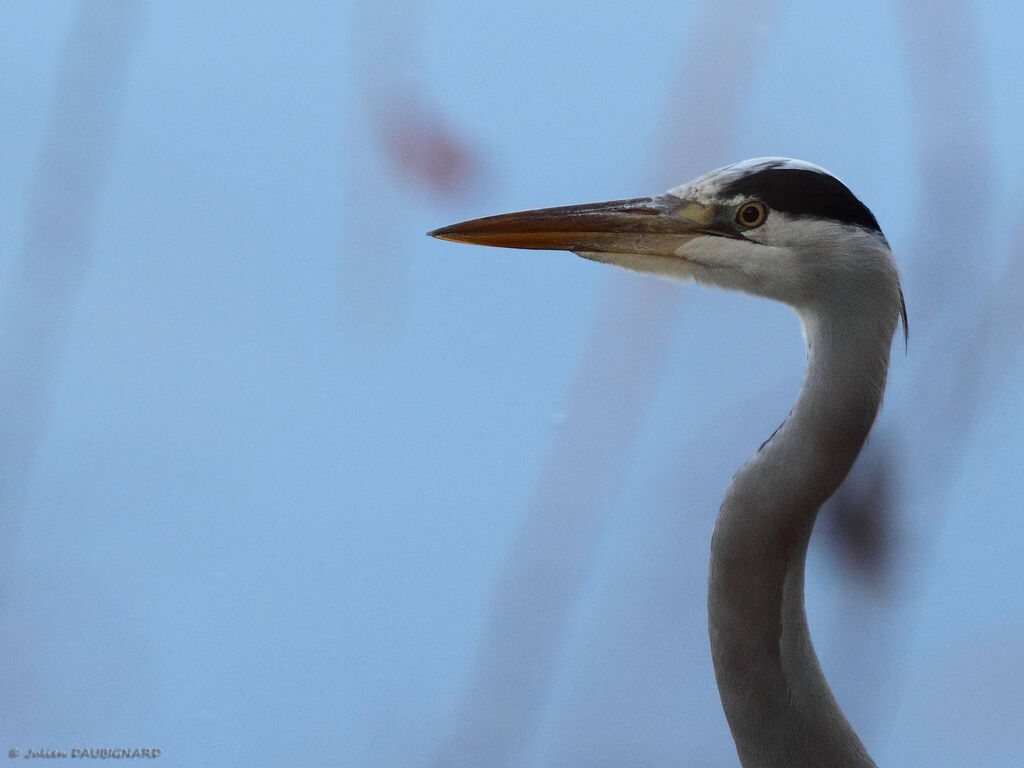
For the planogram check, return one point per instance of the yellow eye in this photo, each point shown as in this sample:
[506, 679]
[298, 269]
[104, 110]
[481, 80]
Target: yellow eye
[751, 215]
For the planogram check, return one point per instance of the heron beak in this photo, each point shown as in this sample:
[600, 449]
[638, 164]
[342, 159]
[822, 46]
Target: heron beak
[645, 225]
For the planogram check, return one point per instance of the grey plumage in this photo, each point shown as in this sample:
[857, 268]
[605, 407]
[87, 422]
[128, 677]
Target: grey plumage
[789, 231]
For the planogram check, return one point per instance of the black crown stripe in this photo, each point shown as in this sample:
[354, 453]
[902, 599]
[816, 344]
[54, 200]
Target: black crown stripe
[803, 192]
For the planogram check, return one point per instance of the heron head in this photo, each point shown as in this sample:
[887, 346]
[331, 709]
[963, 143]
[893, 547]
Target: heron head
[774, 227]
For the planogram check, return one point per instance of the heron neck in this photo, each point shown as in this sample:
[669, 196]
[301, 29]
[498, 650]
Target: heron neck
[779, 707]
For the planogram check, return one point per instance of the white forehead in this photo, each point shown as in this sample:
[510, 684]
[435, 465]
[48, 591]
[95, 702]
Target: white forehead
[708, 188]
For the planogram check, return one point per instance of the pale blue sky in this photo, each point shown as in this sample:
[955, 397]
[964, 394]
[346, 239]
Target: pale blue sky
[260, 532]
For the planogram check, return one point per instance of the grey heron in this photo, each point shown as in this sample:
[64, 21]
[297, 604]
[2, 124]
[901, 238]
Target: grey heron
[790, 231]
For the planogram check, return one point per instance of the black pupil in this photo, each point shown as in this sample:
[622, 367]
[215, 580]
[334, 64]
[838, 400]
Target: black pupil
[751, 214]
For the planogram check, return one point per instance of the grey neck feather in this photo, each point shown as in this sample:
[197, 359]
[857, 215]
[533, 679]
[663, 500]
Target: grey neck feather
[779, 707]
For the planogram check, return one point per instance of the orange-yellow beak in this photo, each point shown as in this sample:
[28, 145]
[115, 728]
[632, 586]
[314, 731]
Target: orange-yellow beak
[643, 225]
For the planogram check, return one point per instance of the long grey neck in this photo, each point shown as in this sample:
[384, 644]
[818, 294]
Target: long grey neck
[779, 707]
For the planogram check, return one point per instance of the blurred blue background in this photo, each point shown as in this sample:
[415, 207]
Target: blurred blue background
[286, 482]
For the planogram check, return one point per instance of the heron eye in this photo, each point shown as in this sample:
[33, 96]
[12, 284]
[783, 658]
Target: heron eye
[751, 215]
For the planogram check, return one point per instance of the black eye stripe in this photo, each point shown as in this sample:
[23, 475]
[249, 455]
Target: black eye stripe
[802, 192]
